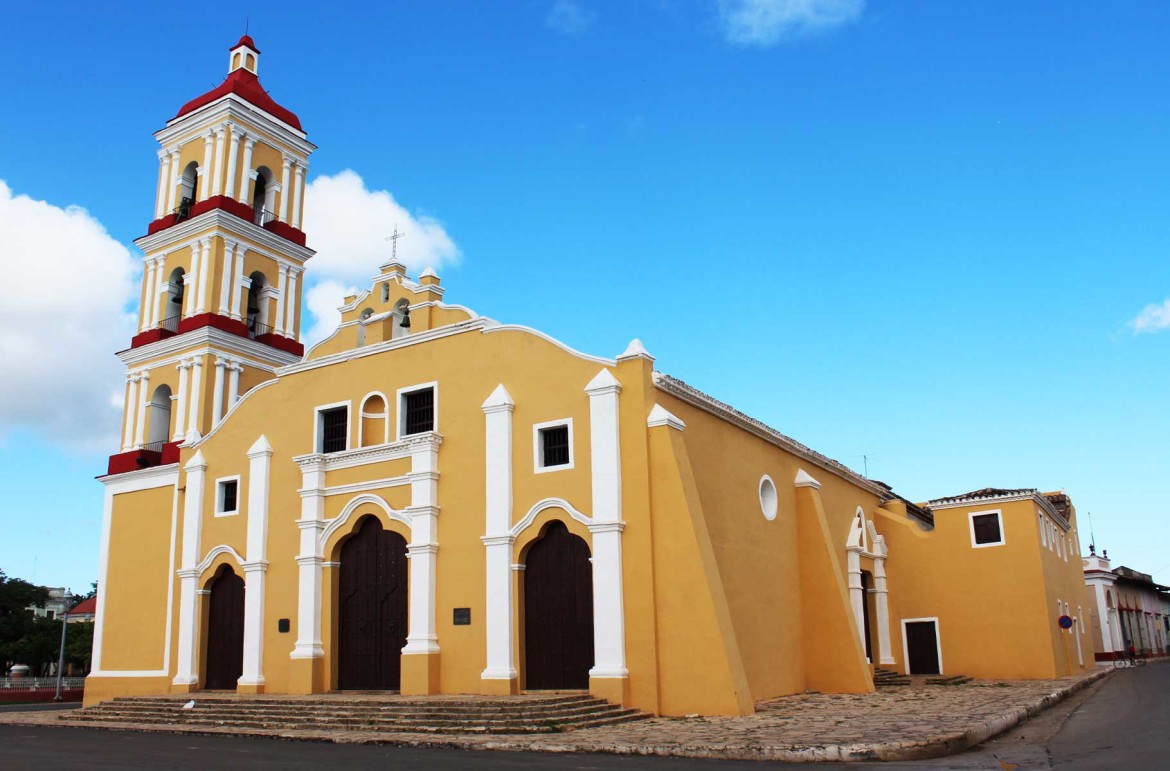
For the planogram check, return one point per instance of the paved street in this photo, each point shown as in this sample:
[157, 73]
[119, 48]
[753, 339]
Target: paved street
[1117, 723]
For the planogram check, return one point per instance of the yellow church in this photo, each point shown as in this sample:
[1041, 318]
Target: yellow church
[433, 502]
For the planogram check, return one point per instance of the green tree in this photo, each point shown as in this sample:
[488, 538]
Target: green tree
[16, 620]
[79, 646]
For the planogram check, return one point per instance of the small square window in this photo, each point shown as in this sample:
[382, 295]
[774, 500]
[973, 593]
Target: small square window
[553, 445]
[334, 429]
[418, 409]
[986, 529]
[227, 496]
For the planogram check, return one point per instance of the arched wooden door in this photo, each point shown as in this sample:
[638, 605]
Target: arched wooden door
[372, 609]
[224, 660]
[558, 612]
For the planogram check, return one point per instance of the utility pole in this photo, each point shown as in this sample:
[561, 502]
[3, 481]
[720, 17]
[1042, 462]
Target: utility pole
[61, 654]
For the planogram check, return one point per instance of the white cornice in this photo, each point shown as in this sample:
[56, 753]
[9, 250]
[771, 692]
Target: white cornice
[364, 456]
[177, 236]
[697, 398]
[1023, 495]
[141, 479]
[209, 340]
[233, 107]
[387, 345]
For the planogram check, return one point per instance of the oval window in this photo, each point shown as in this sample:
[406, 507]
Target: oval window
[768, 497]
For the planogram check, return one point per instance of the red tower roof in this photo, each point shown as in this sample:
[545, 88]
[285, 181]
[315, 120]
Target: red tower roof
[246, 40]
[244, 84]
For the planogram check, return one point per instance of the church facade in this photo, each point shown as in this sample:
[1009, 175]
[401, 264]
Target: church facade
[430, 501]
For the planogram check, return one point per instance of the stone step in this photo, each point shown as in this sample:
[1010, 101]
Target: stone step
[437, 718]
[446, 702]
[360, 711]
[948, 680]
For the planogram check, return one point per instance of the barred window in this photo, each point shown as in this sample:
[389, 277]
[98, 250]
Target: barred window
[418, 411]
[227, 496]
[554, 443]
[334, 429]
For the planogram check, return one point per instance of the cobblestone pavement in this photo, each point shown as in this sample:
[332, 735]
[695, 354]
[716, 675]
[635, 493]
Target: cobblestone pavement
[901, 723]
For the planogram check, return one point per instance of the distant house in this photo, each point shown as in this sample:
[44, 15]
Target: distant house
[59, 601]
[86, 610]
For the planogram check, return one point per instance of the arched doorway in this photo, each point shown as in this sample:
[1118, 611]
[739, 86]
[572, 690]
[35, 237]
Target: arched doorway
[372, 602]
[558, 611]
[866, 589]
[224, 660]
[159, 425]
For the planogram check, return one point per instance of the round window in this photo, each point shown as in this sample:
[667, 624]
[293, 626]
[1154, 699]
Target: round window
[768, 497]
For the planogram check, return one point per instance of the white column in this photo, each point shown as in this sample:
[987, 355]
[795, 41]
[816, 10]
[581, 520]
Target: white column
[164, 180]
[174, 181]
[234, 383]
[1077, 631]
[285, 190]
[181, 402]
[609, 622]
[191, 282]
[217, 184]
[256, 564]
[856, 590]
[217, 397]
[497, 539]
[159, 283]
[194, 395]
[229, 254]
[885, 656]
[234, 303]
[143, 403]
[150, 295]
[204, 263]
[246, 171]
[290, 307]
[310, 559]
[297, 190]
[282, 290]
[233, 156]
[422, 636]
[187, 670]
[205, 172]
[131, 411]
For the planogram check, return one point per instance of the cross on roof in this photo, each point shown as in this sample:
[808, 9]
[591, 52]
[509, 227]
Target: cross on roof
[394, 241]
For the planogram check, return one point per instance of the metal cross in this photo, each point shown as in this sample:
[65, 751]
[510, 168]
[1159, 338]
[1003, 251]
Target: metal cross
[394, 240]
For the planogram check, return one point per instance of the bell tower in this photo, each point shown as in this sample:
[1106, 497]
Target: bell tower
[223, 257]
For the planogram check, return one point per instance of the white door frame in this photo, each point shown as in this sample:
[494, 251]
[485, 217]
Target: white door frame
[937, 642]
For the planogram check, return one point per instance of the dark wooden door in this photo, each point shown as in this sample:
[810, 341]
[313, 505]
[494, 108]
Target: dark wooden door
[372, 614]
[922, 647]
[558, 612]
[865, 615]
[224, 661]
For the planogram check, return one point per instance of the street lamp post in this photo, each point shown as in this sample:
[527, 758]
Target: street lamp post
[61, 654]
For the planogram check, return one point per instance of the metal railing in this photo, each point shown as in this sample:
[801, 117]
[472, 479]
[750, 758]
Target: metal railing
[183, 210]
[262, 217]
[40, 683]
[255, 328]
[171, 323]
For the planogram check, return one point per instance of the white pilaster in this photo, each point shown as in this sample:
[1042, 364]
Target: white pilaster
[187, 670]
[191, 282]
[164, 179]
[290, 307]
[205, 171]
[298, 189]
[497, 539]
[204, 269]
[217, 397]
[246, 171]
[160, 282]
[856, 590]
[195, 395]
[237, 283]
[173, 184]
[609, 622]
[256, 564]
[150, 296]
[143, 403]
[131, 411]
[422, 636]
[226, 275]
[217, 183]
[181, 402]
[285, 172]
[234, 383]
[282, 290]
[310, 559]
[233, 157]
[881, 593]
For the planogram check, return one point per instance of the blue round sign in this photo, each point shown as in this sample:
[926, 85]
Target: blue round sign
[1065, 622]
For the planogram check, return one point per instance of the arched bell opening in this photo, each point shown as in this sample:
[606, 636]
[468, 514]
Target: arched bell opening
[187, 183]
[172, 309]
[257, 307]
[159, 417]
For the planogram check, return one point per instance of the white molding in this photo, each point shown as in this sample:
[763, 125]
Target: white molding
[236, 406]
[499, 609]
[496, 327]
[385, 416]
[127, 672]
[219, 497]
[1026, 495]
[364, 456]
[217, 223]
[348, 404]
[426, 336]
[538, 466]
[803, 479]
[542, 505]
[141, 479]
[209, 558]
[769, 510]
[206, 341]
[400, 411]
[333, 525]
[635, 350]
[367, 486]
[249, 116]
[660, 416]
[937, 642]
[971, 525]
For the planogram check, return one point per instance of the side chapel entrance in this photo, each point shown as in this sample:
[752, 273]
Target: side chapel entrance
[921, 647]
[224, 660]
[372, 602]
[558, 612]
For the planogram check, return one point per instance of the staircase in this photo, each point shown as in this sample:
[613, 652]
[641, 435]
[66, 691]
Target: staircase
[437, 715]
[948, 680]
[888, 678]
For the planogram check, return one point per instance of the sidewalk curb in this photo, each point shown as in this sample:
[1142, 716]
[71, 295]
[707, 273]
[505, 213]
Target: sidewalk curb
[940, 746]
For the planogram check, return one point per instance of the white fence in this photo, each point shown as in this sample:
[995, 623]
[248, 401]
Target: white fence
[41, 683]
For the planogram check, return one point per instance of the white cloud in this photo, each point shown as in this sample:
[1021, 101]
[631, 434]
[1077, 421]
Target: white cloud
[767, 22]
[348, 225]
[1153, 318]
[63, 313]
[569, 17]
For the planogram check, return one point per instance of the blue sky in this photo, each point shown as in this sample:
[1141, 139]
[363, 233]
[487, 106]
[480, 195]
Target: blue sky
[920, 232]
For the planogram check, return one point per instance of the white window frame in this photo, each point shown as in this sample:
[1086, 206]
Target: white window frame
[385, 416]
[937, 642]
[348, 404]
[770, 512]
[971, 524]
[1043, 529]
[219, 512]
[538, 466]
[400, 406]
